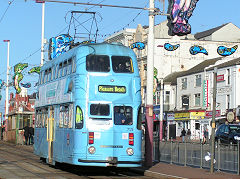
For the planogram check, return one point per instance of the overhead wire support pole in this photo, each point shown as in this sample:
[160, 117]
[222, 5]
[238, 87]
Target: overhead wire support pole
[7, 84]
[149, 106]
[42, 39]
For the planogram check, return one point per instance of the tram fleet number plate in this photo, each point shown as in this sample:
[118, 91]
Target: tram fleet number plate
[111, 89]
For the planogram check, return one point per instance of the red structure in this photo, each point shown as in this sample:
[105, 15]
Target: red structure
[21, 113]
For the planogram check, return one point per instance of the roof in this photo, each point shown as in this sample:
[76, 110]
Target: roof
[172, 78]
[209, 32]
[200, 67]
[229, 63]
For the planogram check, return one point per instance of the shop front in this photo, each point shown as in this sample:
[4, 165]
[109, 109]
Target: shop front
[182, 120]
[196, 119]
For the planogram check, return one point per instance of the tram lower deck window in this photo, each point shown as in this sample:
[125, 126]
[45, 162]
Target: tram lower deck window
[99, 109]
[123, 115]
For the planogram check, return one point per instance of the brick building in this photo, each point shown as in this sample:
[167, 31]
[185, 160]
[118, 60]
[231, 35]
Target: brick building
[21, 113]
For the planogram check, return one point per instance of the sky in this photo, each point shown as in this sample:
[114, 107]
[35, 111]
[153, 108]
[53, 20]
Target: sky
[21, 23]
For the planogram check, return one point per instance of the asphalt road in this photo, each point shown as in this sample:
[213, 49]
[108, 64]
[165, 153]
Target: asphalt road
[17, 161]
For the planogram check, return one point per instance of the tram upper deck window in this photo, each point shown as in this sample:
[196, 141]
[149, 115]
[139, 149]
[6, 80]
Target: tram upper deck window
[122, 64]
[99, 109]
[123, 115]
[97, 63]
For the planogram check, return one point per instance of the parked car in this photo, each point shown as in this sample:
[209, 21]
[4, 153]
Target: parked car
[228, 133]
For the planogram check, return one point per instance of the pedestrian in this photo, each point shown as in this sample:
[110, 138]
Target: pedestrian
[31, 135]
[205, 136]
[189, 134]
[183, 133]
[26, 134]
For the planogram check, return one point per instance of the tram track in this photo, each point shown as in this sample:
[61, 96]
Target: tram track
[22, 160]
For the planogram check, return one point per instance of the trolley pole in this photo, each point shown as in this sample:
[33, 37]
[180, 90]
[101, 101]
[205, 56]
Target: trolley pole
[7, 86]
[213, 120]
[149, 106]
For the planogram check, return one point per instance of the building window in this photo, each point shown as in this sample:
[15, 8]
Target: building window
[198, 80]
[228, 76]
[167, 97]
[197, 99]
[185, 102]
[184, 83]
[228, 102]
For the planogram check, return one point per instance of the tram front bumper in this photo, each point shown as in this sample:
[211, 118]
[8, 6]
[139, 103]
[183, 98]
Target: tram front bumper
[110, 161]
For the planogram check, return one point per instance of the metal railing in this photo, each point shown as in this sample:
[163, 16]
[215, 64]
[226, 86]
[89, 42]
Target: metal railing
[197, 154]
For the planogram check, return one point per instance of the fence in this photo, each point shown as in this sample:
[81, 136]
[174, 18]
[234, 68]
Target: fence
[196, 154]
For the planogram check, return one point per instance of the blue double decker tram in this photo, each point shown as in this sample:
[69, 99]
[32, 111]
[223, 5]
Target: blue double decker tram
[88, 107]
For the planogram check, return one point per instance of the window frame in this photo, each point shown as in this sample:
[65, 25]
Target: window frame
[184, 83]
[198, 80]
[197, 97]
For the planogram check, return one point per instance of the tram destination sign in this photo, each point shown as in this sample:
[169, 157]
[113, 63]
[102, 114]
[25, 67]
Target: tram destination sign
[111, 89]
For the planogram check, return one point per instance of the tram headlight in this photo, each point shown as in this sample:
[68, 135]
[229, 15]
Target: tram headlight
[130, 151]
[91, 150]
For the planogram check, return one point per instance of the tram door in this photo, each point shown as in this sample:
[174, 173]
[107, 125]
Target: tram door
[50, 134]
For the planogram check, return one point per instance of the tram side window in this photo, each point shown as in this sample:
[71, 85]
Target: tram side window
[40, 119]
[139, 119]
[37, 119]
[49, 74]
[44, 117]
[74, 64]
[70, 116]
[123, 115]
[61, 118]
[41, 77]
[52, 73]
[69, 66]
[122, 64]
[97, 63]
[60, 70]
[45, 76]
[64, 72]
[66, 115]
[79, 118]
[56, 71]
[99, 109]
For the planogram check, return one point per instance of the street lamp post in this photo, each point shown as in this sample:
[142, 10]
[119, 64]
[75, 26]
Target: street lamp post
[213, 120]
[7, 85]
[43, 27]
[161, 110]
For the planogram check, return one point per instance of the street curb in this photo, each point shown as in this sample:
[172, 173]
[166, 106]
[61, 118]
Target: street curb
[158, 175]
[149, 173]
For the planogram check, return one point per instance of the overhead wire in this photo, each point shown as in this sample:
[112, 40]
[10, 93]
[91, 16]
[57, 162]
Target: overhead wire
[9, 3]
[26, 58]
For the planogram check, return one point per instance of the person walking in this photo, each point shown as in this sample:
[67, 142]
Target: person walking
[189, 134]
[31, 134]
[205, 136]
[183, 133]
[26, 134]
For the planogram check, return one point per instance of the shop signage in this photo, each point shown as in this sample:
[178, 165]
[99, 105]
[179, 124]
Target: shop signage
[197, 115]
[220, 78]
[170, 116]
[209, 113]
[182, 116]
